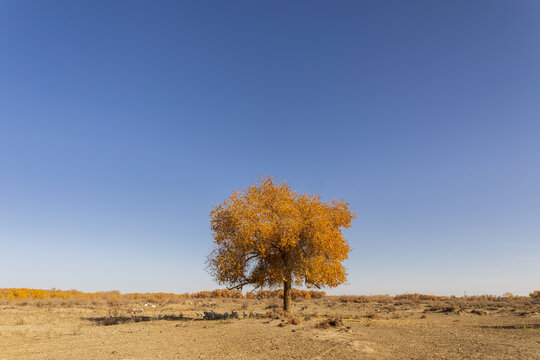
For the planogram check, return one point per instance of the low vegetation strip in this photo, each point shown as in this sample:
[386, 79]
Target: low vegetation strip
[23, 296]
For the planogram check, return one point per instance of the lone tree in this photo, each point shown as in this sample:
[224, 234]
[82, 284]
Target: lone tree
[268, 235]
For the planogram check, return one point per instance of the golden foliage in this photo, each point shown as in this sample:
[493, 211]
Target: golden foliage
[219, 293]
[23, 294]
[295, 294]
[268, 234]
[31, 294]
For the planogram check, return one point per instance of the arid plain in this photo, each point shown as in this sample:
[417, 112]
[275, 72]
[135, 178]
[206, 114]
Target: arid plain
[348, 327]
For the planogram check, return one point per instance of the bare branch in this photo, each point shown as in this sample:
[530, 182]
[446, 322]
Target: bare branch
[238, 287]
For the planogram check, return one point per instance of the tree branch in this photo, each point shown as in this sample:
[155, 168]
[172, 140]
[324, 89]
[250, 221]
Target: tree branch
[239, 286]
[252, 257]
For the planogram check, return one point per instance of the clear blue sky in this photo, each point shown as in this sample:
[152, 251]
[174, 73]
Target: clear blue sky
[123, 122]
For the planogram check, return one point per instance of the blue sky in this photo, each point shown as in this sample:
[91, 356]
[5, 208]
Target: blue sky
[122, 123]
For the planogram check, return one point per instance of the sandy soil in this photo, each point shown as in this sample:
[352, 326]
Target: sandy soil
[175, 331]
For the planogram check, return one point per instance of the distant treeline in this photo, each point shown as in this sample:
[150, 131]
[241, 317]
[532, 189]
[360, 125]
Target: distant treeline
[23, 295]
[115, 295]
[405, 298]
[261, 294]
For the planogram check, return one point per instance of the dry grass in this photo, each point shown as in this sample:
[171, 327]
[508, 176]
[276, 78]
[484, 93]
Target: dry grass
[330, 322]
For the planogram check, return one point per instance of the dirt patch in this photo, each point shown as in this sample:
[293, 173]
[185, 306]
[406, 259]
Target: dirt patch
[330, 329]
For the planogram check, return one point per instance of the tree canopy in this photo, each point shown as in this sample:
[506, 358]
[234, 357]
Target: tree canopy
[268, 235]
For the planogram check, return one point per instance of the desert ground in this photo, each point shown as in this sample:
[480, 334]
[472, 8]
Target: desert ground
[326, 328]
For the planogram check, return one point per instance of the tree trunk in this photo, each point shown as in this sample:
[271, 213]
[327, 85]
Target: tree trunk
[287, 296]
